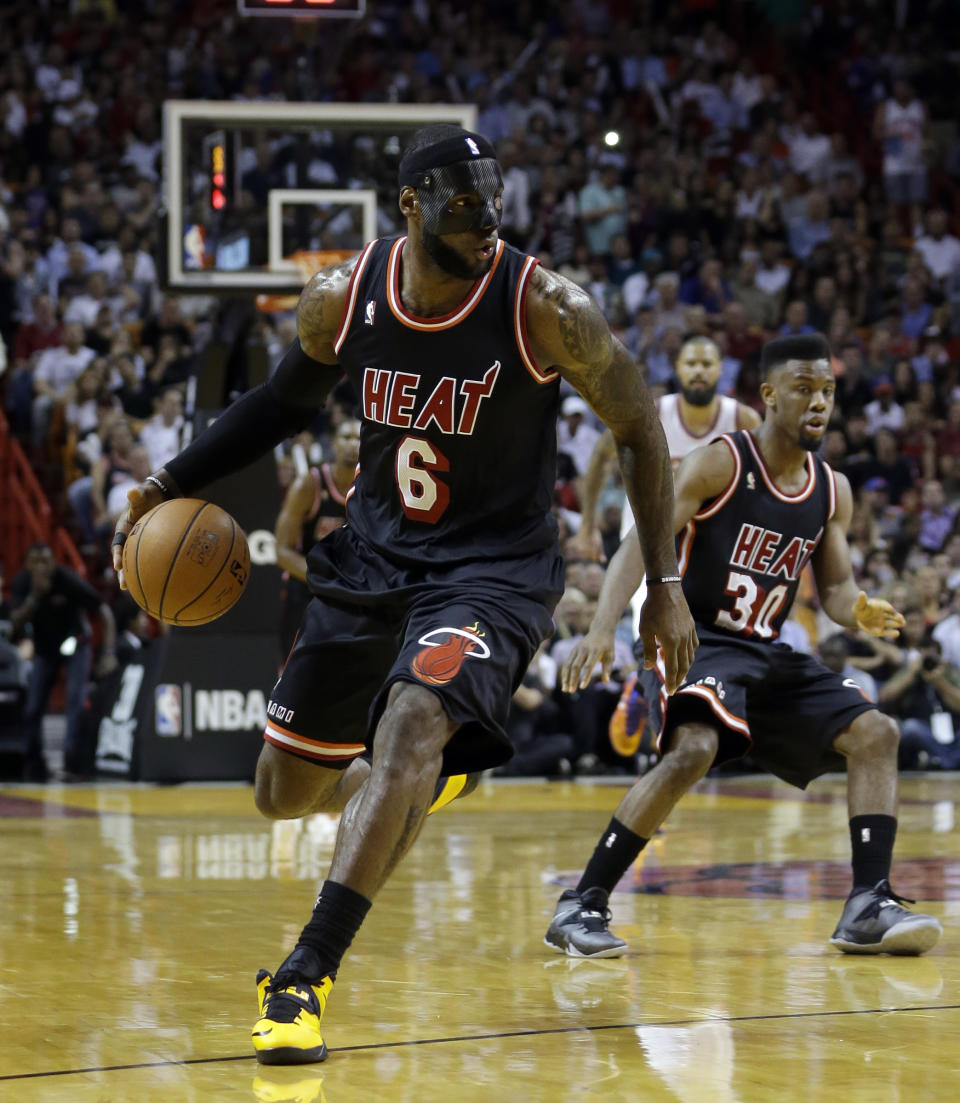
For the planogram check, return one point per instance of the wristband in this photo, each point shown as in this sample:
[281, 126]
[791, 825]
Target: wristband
[165, 490]
[664, 578]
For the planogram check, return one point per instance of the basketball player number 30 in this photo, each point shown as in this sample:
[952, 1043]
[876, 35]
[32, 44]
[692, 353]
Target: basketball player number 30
[423, 496]
[753, 609]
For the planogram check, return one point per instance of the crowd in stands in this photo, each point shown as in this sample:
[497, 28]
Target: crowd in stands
[729, 170]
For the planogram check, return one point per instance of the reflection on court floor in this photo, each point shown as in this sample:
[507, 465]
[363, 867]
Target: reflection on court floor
[133, 920]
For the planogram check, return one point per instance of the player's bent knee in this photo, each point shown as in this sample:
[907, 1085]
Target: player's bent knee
[692, 750]
[872, 735]
[286, 787]
[414, 725]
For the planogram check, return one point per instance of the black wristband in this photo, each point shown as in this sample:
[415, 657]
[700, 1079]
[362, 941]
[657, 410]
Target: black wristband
[664, 578]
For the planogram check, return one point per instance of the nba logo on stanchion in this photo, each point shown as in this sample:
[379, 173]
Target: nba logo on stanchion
[167, 710]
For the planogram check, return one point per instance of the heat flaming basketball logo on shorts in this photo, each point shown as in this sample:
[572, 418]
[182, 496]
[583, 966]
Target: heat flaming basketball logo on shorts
[202, 546]
[444, 651]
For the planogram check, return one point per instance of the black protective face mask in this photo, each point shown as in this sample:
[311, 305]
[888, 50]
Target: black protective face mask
[439, 185]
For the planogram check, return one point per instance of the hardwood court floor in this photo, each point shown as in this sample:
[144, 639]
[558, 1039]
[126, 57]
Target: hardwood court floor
[133, 920]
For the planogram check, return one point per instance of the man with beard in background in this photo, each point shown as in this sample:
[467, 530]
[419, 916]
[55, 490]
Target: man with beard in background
[691, 417]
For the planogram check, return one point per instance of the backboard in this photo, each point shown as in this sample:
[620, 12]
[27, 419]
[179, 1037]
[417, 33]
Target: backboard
[249, 184]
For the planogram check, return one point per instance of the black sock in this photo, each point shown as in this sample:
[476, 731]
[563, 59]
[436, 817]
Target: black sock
[336, 918]
[612, 858]
[871, 841]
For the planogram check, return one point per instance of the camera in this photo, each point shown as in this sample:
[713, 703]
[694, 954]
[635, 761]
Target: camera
[930, 662]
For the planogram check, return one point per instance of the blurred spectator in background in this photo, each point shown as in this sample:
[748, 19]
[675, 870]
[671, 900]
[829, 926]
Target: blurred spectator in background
[51, 604]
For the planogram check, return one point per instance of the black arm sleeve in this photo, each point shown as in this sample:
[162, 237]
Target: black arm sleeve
[257, 421]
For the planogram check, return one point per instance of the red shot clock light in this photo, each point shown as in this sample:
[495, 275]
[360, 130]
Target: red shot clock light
[215, 159]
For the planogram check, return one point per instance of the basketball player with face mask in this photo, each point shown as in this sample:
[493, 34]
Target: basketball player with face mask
[430, 602]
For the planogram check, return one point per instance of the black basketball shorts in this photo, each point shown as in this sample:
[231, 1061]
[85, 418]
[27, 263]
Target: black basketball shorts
[783, 707]
[467, 634]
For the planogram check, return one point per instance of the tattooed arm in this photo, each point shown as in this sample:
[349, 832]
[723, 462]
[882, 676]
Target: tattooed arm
[262, 417]
[320, 310]
[569, 334]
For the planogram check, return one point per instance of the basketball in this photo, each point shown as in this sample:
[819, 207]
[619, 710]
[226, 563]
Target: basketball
[186, 562]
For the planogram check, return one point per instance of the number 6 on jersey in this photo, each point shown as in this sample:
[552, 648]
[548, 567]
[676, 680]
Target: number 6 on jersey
[424, 497]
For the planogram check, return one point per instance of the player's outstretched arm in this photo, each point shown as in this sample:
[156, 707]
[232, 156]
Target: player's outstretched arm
[586, 542]
[262, 417]
[704, 474]
[842, 599]
[569, 333]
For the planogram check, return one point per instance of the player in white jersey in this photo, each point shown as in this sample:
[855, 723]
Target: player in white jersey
[690, 418]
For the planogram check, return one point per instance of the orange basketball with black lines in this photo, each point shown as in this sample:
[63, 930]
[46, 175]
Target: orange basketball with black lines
[186, 561]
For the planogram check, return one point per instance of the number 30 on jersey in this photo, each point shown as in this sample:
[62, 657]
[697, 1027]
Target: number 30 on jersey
[753, 608]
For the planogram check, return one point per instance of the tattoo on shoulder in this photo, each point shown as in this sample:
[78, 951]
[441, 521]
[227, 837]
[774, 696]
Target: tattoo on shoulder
[316, 298]
[582, 328]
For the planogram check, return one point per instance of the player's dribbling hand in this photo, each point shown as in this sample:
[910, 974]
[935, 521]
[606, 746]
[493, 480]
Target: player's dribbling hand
[140, 500]
[576, 672]
[665, 619]
[877, 617]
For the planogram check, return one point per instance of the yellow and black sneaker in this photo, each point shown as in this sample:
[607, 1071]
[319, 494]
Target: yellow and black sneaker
[288, 1030]
[452, 788]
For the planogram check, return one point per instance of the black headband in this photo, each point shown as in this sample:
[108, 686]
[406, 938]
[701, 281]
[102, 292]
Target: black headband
[465, 146]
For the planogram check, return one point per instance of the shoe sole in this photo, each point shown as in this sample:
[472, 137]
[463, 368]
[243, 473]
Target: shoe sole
[909, 938]
[572, 951]
[287, 1055]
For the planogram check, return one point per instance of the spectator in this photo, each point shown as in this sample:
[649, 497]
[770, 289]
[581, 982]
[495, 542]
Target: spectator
[900, 125]
[51, 603]
[57, 370]
[883, 412]
[812, 227]
[936, 519]
[138, 468]
[809, 149]
[707, 288]
[603, 210]
[161, 435]
[924, 694]
[796, 322]
[43, 332]
[761, 308]
[533, 726]
[576, 437]
[667, 311]
[940, 250]
[833, 652]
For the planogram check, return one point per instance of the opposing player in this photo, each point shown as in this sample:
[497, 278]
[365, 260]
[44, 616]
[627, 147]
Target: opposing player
[751, 509]
[691, 417]
[314, 505]
[430, 602]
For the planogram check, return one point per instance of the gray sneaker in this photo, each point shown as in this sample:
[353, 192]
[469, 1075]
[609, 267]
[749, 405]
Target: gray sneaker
[875, 922]
[581, 926]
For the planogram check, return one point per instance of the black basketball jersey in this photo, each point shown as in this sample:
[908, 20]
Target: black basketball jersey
[742, 554]
[458, 437]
